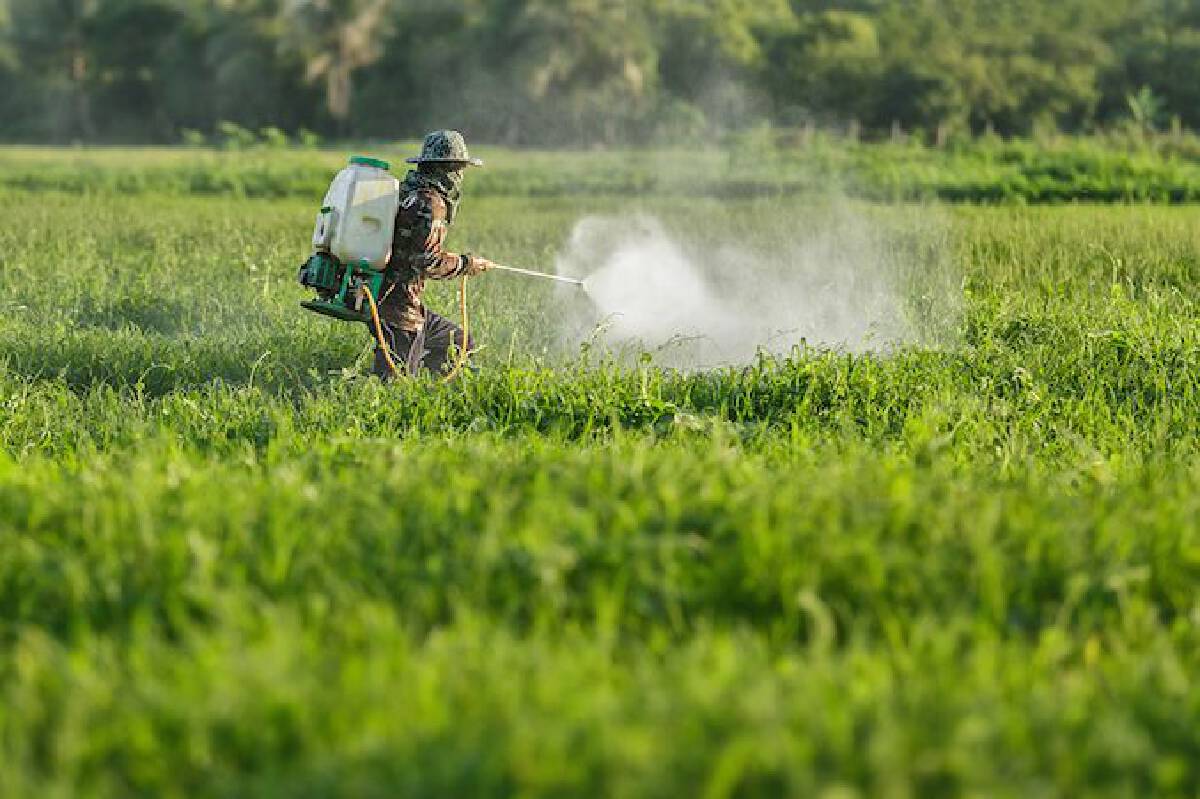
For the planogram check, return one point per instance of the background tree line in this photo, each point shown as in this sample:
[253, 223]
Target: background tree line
[554, 72]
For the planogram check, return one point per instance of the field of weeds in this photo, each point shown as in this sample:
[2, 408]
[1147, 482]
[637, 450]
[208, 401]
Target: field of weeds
[231, 564]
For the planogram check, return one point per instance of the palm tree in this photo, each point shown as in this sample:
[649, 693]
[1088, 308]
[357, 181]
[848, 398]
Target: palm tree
[51, 35]
[7, 56]
[588, 53]
[336, 38]
[1146, 109]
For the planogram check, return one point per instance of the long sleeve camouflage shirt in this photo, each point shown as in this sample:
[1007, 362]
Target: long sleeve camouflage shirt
[418, 253]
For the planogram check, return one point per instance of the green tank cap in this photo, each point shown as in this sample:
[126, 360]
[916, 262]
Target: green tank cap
[362, 160]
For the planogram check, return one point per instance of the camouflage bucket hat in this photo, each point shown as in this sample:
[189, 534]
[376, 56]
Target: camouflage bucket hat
[445, 147]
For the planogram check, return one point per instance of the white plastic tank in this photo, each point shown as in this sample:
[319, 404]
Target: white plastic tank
[358, 217]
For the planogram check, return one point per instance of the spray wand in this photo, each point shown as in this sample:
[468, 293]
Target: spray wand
[531, 273]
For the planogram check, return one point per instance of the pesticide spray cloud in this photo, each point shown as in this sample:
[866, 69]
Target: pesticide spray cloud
[695, 299]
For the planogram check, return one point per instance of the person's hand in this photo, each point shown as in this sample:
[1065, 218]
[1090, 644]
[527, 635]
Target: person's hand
[479, 265]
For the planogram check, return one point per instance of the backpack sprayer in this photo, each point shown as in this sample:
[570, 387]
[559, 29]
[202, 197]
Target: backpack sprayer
[352, 242]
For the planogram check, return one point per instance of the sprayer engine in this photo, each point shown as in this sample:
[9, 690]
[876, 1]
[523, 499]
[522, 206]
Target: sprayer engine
[341, 289]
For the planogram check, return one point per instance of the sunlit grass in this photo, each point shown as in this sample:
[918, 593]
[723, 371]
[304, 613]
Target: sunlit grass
[231, 564]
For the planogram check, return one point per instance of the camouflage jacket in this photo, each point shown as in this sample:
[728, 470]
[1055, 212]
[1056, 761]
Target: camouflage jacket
[418, 254]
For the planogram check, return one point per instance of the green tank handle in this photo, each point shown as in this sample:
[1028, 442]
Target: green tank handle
[365, 160]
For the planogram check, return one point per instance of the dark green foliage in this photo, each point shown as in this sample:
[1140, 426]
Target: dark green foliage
[572, 72]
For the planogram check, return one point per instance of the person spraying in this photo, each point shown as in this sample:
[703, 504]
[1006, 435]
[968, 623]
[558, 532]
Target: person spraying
[429, 201]
[378, 239]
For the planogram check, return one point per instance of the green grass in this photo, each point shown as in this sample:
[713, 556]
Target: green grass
[231, 565]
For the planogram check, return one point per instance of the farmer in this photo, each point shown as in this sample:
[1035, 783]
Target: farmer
[429, 197]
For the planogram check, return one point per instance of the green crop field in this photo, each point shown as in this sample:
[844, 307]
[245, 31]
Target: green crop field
[232, 565]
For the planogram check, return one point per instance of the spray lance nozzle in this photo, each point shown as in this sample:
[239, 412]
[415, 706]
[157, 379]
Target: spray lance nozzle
[530, 273]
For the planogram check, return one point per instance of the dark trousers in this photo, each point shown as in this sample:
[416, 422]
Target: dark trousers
[429, 349]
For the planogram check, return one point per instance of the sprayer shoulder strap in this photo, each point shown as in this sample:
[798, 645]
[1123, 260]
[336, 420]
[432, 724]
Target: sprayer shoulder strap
[406, 215]
[405, 237]
[422, 211]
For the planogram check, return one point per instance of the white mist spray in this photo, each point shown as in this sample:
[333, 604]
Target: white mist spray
[699, 300]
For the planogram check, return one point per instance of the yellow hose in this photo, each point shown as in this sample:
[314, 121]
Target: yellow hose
[383, 345]
[466, 328]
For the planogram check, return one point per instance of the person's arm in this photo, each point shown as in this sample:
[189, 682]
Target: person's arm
[433, 259]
